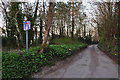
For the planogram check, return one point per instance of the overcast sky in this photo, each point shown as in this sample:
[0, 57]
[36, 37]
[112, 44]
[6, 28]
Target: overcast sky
[88, 8]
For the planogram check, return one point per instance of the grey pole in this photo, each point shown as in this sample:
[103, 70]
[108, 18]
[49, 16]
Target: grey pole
[26, 40]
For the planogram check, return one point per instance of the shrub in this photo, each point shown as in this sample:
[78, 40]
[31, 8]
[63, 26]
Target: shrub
[20, 66]
[8, 43]
[65, 40]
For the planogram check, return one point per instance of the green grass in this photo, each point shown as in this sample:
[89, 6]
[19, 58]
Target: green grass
[21, 65]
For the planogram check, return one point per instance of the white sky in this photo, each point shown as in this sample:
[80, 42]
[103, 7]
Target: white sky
[85, 3]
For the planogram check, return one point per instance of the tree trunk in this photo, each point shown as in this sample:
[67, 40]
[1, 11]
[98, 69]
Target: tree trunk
[67, 30]
[84, 33]
[48, 24]
[72, 32]
[41, 28]
[35, 16]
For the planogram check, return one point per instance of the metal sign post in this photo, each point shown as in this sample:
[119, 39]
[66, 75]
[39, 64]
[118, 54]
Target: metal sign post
[26, 26]
[26, 40]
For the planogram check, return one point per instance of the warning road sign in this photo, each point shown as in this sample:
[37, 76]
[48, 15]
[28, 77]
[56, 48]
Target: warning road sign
[26, 25]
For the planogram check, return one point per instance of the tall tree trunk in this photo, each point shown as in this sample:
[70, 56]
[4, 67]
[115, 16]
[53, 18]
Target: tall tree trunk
[35, 16]
[19, 33]
[41, 22]
[84, 33]
[48, 24]
[79, 32]
[61, 28]
[41, 28]
[7, 17]
[52, 31]
[72, 32]
[67, 30]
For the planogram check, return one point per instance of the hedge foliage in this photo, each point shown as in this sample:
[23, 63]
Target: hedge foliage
[21, 65]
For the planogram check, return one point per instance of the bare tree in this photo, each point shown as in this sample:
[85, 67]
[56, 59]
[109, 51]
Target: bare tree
[48, 24]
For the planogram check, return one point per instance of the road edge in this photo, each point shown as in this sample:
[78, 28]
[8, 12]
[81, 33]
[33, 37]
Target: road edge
[113, 57]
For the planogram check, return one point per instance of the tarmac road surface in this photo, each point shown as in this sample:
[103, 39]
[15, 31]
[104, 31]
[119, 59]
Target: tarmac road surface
[90, 63]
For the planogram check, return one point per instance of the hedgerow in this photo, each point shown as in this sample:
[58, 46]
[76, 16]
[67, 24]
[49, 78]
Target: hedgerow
[21, 65]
